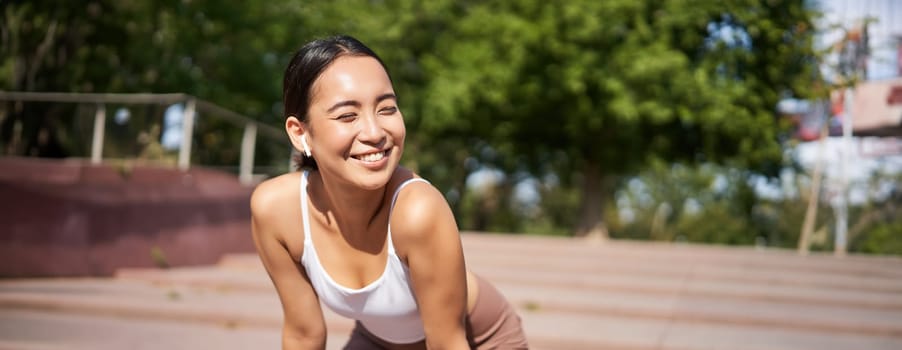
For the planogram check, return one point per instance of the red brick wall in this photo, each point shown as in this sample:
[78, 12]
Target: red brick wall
[70, 218]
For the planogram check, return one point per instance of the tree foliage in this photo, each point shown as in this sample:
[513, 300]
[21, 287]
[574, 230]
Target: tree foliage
[229, 53]
[583, 92]
[610, 85]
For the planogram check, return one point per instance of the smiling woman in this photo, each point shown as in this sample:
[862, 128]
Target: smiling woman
[353, 127]
[360, 234]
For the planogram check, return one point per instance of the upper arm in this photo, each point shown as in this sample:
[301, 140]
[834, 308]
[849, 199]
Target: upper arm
[304, 326]
[424, 226]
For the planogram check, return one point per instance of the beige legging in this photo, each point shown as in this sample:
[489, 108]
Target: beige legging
[492, 324]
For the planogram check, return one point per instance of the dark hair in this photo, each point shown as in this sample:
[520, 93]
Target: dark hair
[305, 67]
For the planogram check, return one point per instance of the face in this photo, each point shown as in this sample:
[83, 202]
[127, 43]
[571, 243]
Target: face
[354, 127]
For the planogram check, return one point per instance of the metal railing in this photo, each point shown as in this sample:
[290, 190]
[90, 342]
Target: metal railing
[193, 106]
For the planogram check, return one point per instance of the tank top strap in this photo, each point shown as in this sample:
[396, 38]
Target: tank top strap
[391, 245]
[305, 212]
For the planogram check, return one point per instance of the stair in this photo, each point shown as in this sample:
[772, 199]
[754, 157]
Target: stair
[571, 294]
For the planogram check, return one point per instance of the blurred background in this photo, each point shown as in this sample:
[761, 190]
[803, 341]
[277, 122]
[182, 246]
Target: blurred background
[694, 121]
[132, 132]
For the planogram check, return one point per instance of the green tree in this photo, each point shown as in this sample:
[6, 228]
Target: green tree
[610, 85]
[877, 225]
[230, 53]
[711, 204]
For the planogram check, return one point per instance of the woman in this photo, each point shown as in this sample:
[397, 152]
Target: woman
[367, 238]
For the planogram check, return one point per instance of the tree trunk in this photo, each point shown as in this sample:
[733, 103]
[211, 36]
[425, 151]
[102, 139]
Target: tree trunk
[813, 198]
[591, 212]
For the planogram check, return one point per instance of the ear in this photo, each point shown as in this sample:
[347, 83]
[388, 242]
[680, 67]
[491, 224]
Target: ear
[295, 129]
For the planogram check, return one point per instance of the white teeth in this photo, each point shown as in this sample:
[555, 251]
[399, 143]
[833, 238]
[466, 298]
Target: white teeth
[373, 157]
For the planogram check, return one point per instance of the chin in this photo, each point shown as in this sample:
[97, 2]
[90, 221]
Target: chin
[374, 180]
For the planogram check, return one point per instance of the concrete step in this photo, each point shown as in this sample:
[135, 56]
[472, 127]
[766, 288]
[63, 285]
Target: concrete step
[698, 288]
[581, 331]
[700, 294]
[664, 258]
[697, 301]
[571, 294]
[54, 330]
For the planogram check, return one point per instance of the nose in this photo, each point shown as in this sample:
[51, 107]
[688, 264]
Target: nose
[371, 130]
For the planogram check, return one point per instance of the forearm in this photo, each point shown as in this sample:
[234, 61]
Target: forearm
[444, 323]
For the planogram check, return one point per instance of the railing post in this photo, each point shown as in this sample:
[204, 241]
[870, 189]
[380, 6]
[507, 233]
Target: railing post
[187, 134]
[248, 144]
[97, 140]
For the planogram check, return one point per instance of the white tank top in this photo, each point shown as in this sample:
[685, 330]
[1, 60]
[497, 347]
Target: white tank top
[387, 306]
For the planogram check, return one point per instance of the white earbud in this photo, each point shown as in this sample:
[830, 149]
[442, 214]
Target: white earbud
[304, 144]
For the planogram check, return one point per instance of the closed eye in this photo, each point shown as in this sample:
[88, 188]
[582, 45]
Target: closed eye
[388, 110]
[346, 117]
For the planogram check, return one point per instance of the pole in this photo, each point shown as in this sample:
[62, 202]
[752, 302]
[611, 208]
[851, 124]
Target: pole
[813, 197]
[187, 134]
[842, 210]
[248, 142]
[97, 140]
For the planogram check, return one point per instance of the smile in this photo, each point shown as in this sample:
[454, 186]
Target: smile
[372, 157]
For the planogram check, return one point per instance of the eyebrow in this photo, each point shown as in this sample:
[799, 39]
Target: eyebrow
[353, 103]
[343, 104]
[386, 96]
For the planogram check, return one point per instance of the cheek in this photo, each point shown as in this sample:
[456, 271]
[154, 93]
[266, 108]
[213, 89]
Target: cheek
[339, 139]
[399, 129]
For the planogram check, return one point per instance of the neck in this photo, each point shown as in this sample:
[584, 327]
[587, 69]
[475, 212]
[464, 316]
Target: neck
[353, 210]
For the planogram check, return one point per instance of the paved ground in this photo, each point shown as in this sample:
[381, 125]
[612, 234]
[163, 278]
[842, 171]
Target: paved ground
[572, 294]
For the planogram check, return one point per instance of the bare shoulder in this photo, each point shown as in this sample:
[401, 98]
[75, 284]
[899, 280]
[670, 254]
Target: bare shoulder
[273, 193]
[420, 213]
[274, 202]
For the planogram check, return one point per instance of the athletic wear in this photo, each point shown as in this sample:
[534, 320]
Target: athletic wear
[492, 324]
[386, 307]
